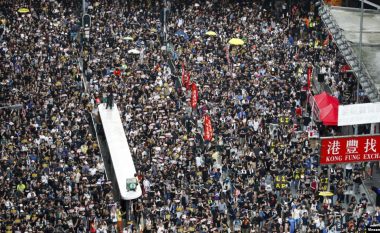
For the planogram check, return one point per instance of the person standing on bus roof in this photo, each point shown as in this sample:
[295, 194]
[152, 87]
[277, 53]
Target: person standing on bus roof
[109, 101]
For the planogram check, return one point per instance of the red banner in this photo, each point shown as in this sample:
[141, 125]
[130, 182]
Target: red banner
[309, 71]
[194, 95]
[350, 149]
[207, 128]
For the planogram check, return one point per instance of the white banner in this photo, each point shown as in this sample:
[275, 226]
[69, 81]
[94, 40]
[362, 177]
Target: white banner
[355, 114]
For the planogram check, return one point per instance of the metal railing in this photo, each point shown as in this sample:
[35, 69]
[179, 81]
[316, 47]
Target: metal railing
[357, 66]
[314, 109]
[319, 87]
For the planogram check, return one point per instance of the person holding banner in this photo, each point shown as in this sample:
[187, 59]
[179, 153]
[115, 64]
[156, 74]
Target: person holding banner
[207, 128]
[194, 96]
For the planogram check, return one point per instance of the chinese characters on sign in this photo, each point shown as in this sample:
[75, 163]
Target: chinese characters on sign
[350, 149]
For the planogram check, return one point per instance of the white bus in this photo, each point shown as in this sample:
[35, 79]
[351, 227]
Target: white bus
[123, 167]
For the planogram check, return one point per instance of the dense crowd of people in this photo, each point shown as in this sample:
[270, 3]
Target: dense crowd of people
[51, 175]
[259, 172]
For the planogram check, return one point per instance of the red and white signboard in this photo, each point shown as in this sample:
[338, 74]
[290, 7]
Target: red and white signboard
[350, 149]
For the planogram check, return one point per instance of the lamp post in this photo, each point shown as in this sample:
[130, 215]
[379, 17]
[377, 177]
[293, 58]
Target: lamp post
[165, 36]
[83, 7]
[360, 56]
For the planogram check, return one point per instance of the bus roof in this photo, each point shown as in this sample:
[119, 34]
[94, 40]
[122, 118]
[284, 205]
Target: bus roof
[120, 153]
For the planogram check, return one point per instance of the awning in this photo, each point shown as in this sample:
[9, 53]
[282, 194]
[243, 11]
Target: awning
[328, 108]
[329, 115]
[324, 99]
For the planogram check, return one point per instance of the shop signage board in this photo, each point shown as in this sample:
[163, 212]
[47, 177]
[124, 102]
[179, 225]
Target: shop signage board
[355, 114]
[350, 149]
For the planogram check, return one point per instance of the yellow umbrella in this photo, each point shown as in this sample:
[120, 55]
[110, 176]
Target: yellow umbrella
[23, 10]
[236, 41]
[326, 194]
[211, 33]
